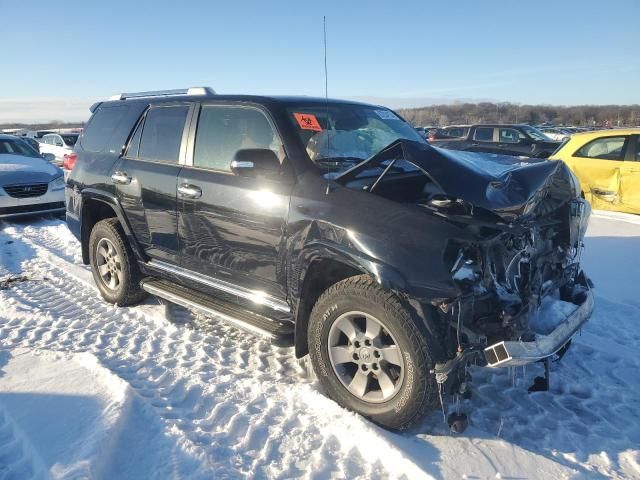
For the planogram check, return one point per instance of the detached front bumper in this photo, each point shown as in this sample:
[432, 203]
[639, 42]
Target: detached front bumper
[514, 353]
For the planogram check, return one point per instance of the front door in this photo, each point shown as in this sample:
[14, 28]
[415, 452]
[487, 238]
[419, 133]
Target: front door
[232, 228]
[512, 142]
[598, 165]
[146, 176]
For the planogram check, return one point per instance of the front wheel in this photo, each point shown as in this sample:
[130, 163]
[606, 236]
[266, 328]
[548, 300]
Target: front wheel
[370, 354]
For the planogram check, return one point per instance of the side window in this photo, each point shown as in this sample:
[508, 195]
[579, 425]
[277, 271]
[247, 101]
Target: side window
[222, 131]
[162, 133]
[606, 148]
[483, 134]
[508, 135]
[101, 127]
[637, 157]
[57, 140]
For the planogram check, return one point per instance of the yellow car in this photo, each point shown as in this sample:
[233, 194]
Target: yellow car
[607, 163]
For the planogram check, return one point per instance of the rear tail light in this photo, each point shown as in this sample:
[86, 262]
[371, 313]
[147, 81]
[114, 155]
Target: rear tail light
[69, 161]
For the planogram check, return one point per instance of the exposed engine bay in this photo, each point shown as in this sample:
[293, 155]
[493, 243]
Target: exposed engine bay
[520, 284]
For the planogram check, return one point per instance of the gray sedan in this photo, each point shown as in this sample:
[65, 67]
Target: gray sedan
[29, 184]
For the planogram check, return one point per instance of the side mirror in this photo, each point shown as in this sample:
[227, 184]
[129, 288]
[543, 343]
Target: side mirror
[59, 144]
[255, 162]
[49, 157]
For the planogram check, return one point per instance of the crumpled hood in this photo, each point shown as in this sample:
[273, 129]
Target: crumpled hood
[17, 169]
[508, 186]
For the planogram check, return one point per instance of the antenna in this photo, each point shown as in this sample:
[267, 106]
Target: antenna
[326, 77]
[326, 92]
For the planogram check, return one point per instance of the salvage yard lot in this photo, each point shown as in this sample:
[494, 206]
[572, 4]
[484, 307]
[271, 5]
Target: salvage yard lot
[154, 391]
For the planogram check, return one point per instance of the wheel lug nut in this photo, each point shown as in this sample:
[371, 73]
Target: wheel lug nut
[364, 368]
[356, 357]
[376, 353]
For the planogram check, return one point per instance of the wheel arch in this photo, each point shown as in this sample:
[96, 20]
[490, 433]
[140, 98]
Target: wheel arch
[324, 266]
[97, 206]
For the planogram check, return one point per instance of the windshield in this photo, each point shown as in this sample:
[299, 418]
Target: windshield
[339, 136]
[535, 133]
[69, 140]
[17, 147]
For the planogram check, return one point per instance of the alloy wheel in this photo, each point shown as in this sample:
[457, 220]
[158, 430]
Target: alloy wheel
[109, 264]
[365, 357]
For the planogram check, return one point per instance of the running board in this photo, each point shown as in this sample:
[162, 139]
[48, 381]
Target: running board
[280, 332]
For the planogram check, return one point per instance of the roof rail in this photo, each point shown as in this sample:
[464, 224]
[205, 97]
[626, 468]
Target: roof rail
[207, 91]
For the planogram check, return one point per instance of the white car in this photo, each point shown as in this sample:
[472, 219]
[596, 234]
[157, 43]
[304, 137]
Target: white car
[29, 184]
[555, 133]
[60, 144]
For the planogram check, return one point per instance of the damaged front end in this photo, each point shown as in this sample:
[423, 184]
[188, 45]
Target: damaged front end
[521, 292]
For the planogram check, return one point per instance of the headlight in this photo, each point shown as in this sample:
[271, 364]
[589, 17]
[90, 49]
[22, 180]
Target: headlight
[57, 183]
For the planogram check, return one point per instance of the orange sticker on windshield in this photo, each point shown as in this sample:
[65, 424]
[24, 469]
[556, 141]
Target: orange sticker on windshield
[308, 121]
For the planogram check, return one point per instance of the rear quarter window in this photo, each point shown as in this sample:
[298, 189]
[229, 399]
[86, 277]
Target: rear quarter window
[102, 126]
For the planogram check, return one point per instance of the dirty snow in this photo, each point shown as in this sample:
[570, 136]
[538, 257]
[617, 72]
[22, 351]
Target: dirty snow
[88, 390]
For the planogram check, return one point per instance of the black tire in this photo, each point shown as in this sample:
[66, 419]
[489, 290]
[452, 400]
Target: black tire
[127, 291]
[417, 393]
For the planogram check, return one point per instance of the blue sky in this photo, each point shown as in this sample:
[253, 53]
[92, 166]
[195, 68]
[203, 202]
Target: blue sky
[66, 54]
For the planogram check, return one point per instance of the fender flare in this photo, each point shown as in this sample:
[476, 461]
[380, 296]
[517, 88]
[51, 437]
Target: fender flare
[113, 202]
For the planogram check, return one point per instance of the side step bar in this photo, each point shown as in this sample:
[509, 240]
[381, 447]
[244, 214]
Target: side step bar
[280, 332]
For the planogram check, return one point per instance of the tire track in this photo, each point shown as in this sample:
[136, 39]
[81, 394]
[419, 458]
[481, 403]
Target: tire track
[220, 389]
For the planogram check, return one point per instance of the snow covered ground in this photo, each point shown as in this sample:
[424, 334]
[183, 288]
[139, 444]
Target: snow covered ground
[88, 390]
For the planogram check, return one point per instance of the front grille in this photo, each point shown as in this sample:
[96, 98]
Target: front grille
[27, 190]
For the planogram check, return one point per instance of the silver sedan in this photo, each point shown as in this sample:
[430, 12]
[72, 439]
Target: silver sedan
[29, 184]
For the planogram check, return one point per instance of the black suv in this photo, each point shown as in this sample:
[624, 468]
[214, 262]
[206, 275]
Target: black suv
[332, 226]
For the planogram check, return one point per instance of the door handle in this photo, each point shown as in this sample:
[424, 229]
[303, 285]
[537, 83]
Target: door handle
[606, 195]
[121, 178]
[187, 190]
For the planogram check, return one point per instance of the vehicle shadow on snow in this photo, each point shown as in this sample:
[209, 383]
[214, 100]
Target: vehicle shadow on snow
[78, 436]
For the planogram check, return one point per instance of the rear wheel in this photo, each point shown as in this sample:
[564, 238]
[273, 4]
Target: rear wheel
[113, 264]
[370, 354]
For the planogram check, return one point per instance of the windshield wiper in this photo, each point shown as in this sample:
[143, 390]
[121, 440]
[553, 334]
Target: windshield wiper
[338, 162]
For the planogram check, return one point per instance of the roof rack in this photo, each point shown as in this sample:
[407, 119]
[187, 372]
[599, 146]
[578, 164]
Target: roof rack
[206, 91]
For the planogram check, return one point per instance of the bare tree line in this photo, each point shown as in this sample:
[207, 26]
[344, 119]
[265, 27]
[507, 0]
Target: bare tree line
[486, 112]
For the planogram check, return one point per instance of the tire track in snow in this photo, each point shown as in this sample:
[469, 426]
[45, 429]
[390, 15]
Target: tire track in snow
[235, 401]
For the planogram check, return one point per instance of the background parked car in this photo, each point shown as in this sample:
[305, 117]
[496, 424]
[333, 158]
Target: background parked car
[38, 134]
[451, 131]
[515, 140]
[607, 163]
[60, 144]
[555, 133]
[32, 142]
[425, 132]
[28, 183]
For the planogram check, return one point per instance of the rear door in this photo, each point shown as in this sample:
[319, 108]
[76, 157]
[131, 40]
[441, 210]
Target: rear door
[232, 229]
[484, 140]
[146, 175]
[630, 176]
